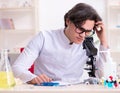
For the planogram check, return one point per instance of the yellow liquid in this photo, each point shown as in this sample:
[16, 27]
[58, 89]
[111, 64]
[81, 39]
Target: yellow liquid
[6, 79]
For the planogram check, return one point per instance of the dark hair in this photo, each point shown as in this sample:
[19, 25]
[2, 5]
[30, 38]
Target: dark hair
[80, 13]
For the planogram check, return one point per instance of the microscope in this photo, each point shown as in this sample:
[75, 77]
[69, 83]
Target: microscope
[91, 52]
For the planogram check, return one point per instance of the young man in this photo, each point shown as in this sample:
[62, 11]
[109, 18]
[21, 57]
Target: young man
[59, 54]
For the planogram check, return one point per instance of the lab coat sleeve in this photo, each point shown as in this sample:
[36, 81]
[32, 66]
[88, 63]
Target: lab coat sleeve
[102, 55]
[27, 58]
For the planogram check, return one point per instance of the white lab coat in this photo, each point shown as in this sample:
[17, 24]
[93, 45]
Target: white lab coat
[53, 56]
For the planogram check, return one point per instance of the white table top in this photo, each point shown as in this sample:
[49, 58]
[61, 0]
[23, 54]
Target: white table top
[25, 88]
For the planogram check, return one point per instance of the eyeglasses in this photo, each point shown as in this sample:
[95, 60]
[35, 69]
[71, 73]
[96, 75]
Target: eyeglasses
[81, 30]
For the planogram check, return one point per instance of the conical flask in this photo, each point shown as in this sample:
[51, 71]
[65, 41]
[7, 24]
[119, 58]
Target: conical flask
[6, 76]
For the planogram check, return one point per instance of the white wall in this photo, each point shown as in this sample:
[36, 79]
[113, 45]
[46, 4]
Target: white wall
[51, 16]
[51, 12]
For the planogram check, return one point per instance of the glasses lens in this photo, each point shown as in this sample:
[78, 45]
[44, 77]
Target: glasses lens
[89, 33]
[81, 30]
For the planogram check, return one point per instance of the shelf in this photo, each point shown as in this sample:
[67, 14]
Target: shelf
[25, 19]
[18, 31]
[14, 39]
[17, 9]
[113, 29]
[15, 30]
[115, 51]
[114, 6]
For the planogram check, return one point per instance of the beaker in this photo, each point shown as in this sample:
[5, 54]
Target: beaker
[6, 76]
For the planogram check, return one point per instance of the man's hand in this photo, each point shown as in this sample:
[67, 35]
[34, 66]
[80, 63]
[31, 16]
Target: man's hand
[101, 33]
[40, 79]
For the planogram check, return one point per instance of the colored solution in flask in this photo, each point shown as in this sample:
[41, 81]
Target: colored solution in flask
[6, 76]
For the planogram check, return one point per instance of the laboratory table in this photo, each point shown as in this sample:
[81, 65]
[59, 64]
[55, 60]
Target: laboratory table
[81, 88]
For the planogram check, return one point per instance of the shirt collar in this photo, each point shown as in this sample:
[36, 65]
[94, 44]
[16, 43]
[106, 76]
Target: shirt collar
[66, 40]
[64, 37]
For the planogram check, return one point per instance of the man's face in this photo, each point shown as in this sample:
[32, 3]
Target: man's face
[77, 35]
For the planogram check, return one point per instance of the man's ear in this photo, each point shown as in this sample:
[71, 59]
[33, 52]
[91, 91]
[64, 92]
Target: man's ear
[67, 21]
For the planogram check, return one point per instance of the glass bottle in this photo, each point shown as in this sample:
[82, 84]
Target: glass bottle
[6, 76]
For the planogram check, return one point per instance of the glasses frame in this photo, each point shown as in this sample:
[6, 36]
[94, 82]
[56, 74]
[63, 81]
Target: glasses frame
[84, 30]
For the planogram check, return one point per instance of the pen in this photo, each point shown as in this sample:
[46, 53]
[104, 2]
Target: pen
[48, 84]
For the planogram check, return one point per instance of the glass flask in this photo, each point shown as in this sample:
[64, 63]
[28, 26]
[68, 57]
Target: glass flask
[6, 76]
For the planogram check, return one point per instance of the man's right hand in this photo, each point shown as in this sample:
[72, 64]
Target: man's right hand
[40, 79]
